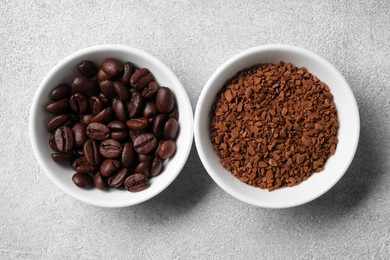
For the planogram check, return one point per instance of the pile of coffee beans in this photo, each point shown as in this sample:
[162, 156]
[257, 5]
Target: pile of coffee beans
[274, 125]
[114, 125]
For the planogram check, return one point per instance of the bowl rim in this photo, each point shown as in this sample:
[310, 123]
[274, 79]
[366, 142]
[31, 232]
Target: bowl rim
[242, 55]
[101, 48]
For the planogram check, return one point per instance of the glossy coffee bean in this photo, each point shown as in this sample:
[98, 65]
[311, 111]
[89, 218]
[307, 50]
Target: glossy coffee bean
[82, 180]
[119, 135]
[127, 72]
[134, 134]
[102, 76]
[174, 114]
[96, 104]
[156, 168]
[87, 119]
[136, 105]
[167, 149]
[145, 143]
[107, 88]
[64, 139]
[81, 165]
[86, 86]
[119, 109]
[118, 179]
[77, 152]
[58, 107]
[103, 98]
[150, 109]
[87, 68]
[52, 143]
[137, 124]
[60, 92]
[159, 122]
[104, 116]
[150, 90]
[136, 182]
[98, 131]
[140, 78]
[128, 155]
[112, 67]
[144, 157]
[170, 129]
[58, 121]
[80, 134]
[91, 152]
[110, 148]
[99, 182]
[117, 125]
[78, 103]
[164, 100]
[109, 167]
[158, 148]
[144, 168]
[121, 91]
[63, 158]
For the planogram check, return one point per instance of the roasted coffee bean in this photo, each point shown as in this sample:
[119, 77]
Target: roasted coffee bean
[127, 72]
[136, 182]
[156, 168]
[167, 149]
[104, 116]
[170, 129]
[159, 122]
[112, 67]
[140, 78]
[81, 165]
[87, 119]
[58, 107]
[110, 148]
[87, 68]
[150, 90]
[109, 167]
[174, 114]
[86, 86]
[150, 109]
[80, 134]
[128, 155]
[98, 131]
[78, 152]
[58, 121]
[134, 134]
[82, 180]
[64, 139]
[119, 135]
[121, 91]
[63, 158]
[78, 103]
[135, 106]
[164, 100]
[137, 124]
[144, 168]
[107, 87]
[158, 148]
[102, 76]
[99, 182]
[145, 143]
[118, 179]
[60, 92]
[96, 104]
[103, 98]
[144, 157]
[52, 143]
[91, 152]
[117, 125]
[119, 109]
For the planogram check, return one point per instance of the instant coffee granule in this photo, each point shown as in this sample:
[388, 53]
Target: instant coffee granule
[274, 125]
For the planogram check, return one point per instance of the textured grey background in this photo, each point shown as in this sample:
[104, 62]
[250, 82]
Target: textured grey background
[194, 218]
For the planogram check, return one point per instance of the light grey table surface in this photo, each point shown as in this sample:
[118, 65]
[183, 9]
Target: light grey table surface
[193, 217]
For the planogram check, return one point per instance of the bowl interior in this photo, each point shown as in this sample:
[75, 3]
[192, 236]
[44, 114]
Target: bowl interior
[335, 167]
[64, 72]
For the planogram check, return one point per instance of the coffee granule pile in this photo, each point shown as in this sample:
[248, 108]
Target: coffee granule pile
[274, 125]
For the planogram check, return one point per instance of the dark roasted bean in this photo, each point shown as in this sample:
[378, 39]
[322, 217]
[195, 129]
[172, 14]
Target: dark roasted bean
[91, 152]
[58, 107]
[96, 104]
[128, 155]
[112, 67]
[102, 76]
[150, 90]
[80, 134]
[140, 78]
[127, 72]
[144, 157]
[136, 105]
[137, 124]
[81, 165]
[104, 116]
[144, 168]
[82, 180]
[117, 125]
[119, 135]
[136, 182]
[174, 114]
[58, 121]
[145, 143]
[110, 148]
[78, 103]
[87, 68]
[87, 119]
[121, 91]
[107, 87]
[164, 100]
[159, 122]
[134, 134]
[85, 86]
[98, 131]
[167, 149]
[156, 168]
[118, 179]
[109, 167]
[119, 109]
[64, 139]
[64, 158]
[60, 92]
[99, 182]
[170, 129]
[150, 109]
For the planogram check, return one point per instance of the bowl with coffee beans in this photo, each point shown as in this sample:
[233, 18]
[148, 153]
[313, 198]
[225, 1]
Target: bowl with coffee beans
[276, 126]
[111, 125]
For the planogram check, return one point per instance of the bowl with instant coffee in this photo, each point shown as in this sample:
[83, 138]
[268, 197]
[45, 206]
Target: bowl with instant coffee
[276, 126]
[111, 125]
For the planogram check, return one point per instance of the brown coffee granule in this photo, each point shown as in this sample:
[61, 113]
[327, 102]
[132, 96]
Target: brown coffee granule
[274, 125]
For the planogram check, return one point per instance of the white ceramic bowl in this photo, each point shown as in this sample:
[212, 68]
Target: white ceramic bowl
[318, 183]
[64, 72]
